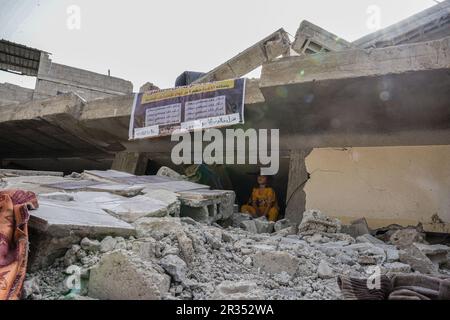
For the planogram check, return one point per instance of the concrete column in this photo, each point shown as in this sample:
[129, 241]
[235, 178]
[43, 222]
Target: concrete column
[298, 176]
[131, 162]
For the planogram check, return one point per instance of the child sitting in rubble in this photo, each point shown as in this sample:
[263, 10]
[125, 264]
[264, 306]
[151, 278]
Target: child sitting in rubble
[263, 201]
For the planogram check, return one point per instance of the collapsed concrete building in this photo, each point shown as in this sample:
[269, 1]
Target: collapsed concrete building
[364, 126]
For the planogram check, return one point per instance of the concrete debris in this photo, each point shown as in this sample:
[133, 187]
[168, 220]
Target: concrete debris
[30, 287]
[263, 225]
[60, 196]
[417, 260]
[266, 50]
[275, 262]
[175, 267]
[369, 239]
[108, 244]
[281, 224]
[406, 237]
[249, 225]
[179, 258]
[120, 276]
[324, 271]
[357, 228]
[167, 172]
[311, 39]
[236, 290]
[437, 253]
[396, 267]
[315, 221]
[90, 245]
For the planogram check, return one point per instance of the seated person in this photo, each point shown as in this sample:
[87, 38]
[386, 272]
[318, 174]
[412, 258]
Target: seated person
[263, 202]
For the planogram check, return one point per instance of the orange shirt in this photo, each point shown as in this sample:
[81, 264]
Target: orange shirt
[263, 198]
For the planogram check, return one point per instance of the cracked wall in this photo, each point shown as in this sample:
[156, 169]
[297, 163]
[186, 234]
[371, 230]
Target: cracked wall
[387, 185]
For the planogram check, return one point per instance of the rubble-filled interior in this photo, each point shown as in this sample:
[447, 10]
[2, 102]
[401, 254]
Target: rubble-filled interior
[362, 188]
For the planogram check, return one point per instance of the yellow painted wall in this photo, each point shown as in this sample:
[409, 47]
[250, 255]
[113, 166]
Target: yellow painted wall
[403, 185]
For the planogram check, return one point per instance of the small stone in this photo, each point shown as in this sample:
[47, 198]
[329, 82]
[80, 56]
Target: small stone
[281, 224]
[263, 225]
[249, 225]
[227, 237]
[212, 241]
[70, 257]
[174, 266]
[236, 290]
[395, 267]
[324, 271]
[30, 287]
[90, 245]
[108, 244]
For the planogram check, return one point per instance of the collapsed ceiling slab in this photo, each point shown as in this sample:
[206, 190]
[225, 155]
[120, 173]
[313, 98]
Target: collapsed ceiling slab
[266, 50]
[311, 39]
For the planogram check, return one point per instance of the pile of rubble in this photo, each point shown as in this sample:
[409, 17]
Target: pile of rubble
[179, 258]
[110, 235]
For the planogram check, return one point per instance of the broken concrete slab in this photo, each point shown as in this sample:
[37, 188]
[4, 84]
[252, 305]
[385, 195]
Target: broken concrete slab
[56, 225]
[311, 39]
[121, 276]
[315, 221]
[59, 196]
[34, 184]
[106, 175]
[417, 260]
[437, 253]
[175, 186]
[207, 205]
[269, 48]
[22, 173]
[119, 189]
[60, 218]
[135, 208]
[404, 238]
[156, 227]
